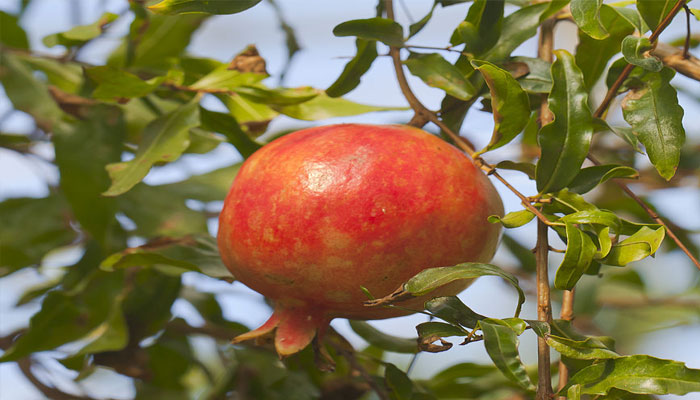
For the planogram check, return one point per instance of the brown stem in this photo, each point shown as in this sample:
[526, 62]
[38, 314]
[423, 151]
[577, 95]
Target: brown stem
[612, 92]
[567, 313]
[672, 57]
[544, 312]
[686, 47]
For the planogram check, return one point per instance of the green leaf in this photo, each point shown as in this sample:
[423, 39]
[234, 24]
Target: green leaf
[381, 29]
[417, 26]
[435, 71]
[509, 103]
[538, 79]
[592, 55]
[599, 217]
[501, 343]
[398, 382]
[380, 339]
[354, 69]
[629, 136]
[526, 168]
[564, 141]
[580, 250]
[11, 33]
[653, 112]
[50, 229]
[636, 247]
[432, 278]
[110, 335]
[431, 330]
[82, 34]
[322, 107]
[189, 253]
[83, 175]
[65, 75]
[481, 28]
[635, 50]
[277, 97]
[640, 374]
[115, 84]
[590, 177]
[513, 219]
[222, 78]
[522, 253]
[452, 310]
[228, 126]
[633, 17]
[68, 317]
[572, 344]
[27, 93]
[252, 117]
[654, 11]
[518, 27]
[210, 186]
[172, 7]
[586, 14]
[163, 141]
[570, 202]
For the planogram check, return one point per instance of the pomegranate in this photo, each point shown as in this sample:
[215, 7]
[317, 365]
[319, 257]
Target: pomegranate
[318, 214]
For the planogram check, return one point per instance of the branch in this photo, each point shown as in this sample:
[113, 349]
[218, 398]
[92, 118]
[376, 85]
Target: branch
[612, 92]
[674, 58]
[25, 365]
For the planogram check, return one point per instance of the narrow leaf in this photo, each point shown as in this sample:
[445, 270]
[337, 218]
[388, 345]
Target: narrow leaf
[381, 29]
[590, 177]
[380, 339]
[513, 219]
[599, 217]
[428, 330]
[322, 107]
[586, 14]
[580, 250]
[509, 103]
[354, 69]
[116, 84]
[481, 28]
[435, 71]
[639, 374]
[653, 112]
[278, 97]
[79, 35]
[171, 7]
[417, 26]
[501, 343]
[228, 126]
[163, 141]
[635, 50]
[636, 247]
[451, 309]
[566, 140]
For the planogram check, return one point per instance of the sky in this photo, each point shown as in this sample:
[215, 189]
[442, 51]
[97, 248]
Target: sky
[318, 64]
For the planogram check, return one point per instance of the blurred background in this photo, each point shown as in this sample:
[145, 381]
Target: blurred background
[666, 333]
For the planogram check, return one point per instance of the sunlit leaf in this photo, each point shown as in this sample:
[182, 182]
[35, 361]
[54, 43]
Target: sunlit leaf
[580, 250]
[538, 78]
[435, 71]
[590, 177]
[277, 97]
[635, 49]
[600, 217]
[322, 107]
[561, 337]
[564, 141]
[481, 28]
[80, 34]
[170, 7]
[354, 69]
[586, 14]
[654, 11]
[513, 219]
[636, 247]
[381, 29]
[501, 343]
[115, 84]
[653, 112]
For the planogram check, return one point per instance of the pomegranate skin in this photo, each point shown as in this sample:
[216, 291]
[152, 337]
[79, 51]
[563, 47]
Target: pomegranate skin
[317, 214]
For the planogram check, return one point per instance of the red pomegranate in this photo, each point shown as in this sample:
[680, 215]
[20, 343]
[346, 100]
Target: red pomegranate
[317, 214]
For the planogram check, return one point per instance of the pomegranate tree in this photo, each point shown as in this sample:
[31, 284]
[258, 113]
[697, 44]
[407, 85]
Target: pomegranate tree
[318, 214]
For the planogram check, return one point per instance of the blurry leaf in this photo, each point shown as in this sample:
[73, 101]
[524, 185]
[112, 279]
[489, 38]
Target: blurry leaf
[538, 79]
[68, 317]
[586, 14]
[452, 310]
[115, 84]
[354, 69]
[590, 177]
[636, 247]
[322, 107]
[526, 168]
[202, 141]
[509, 102]
[592, 55]
[11, 33]
[228, 126]
[67, 76]
[223, 78]
[481, 28]
[189, 253]
[432, 278]
[501, 343]
[572, 344]
[513, 219]
[79, 35]
[564, 141]
[654, 11]
[163, 39]
[524, 255]
[164, 141]
[83, 176]
[27, 93]
[653, 112]
[629, 136]
[398, 382]
[210, 186]
[381, 29]
[50, 228]
[169, 359]
[417, 26]
[635, 50]
[637, 374]
[149, 301]
[171, 7]
[252, 117]
[380, 339]
[435, 71]
[110, 335]
[519, 27]
[580, 250]
[277, 97]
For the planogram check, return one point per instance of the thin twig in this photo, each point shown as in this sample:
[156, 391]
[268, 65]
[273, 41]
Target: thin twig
[686, 47]
[25, 365]
[612, 92]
